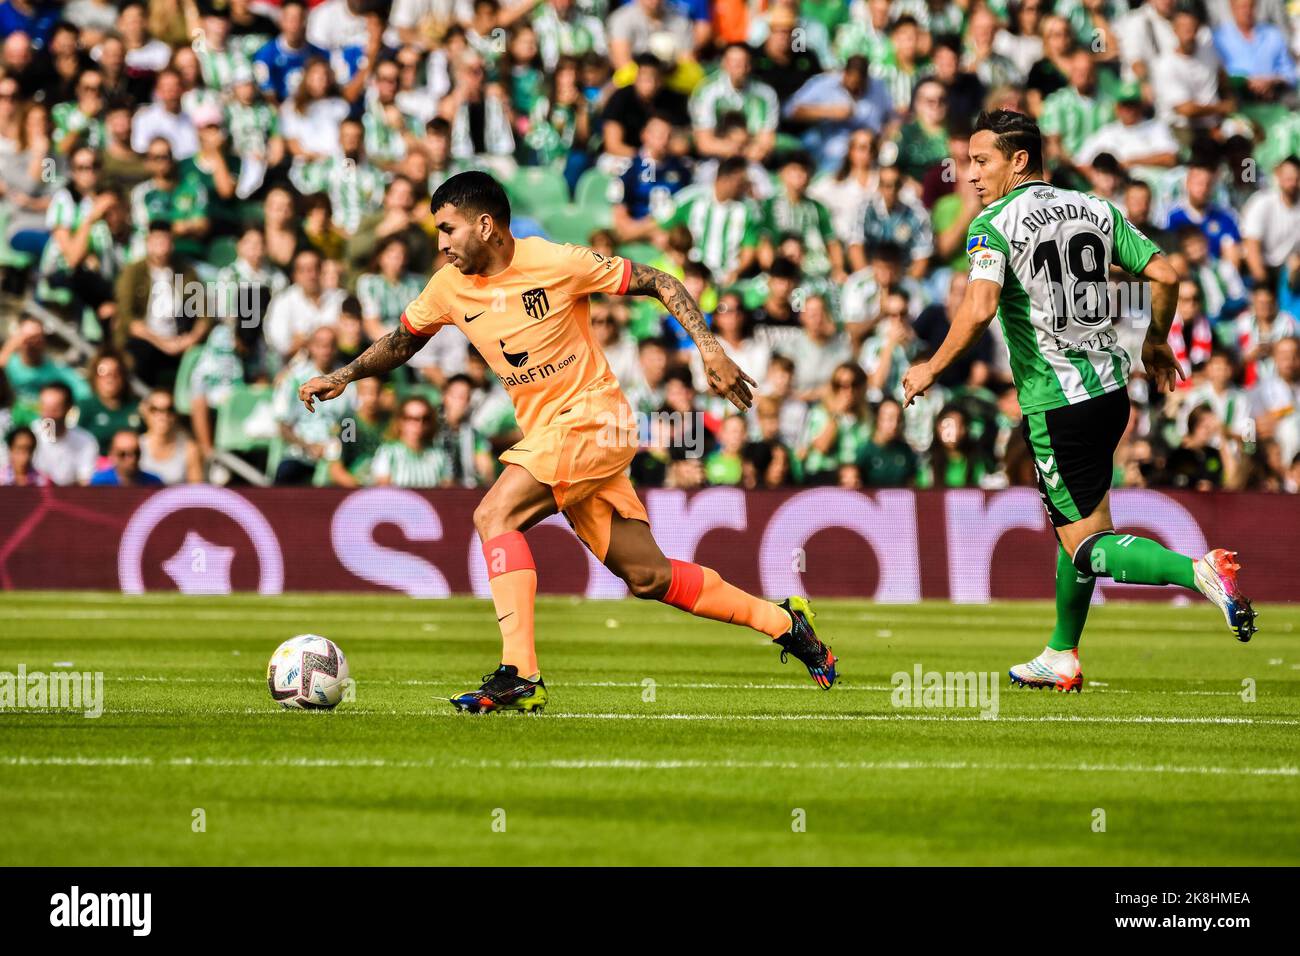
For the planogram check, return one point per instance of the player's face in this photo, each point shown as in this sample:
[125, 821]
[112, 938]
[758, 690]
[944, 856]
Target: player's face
[991, 173]
[463, 240]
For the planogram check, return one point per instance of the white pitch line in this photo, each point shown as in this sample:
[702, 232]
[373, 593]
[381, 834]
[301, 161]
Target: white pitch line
[632, 764]
[414, 682]
[270, 711]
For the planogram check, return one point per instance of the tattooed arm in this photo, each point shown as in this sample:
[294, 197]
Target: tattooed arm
[392, 350]
[725, 376]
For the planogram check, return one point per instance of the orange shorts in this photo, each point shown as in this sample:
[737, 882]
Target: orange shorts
[583, 454]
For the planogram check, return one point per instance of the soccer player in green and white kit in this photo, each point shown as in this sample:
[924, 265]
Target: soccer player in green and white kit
[1039, 260]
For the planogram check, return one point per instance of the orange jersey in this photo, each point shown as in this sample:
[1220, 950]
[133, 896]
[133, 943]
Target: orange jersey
[530, 323]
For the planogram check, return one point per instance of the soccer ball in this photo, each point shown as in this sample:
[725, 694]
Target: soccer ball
[307, 672]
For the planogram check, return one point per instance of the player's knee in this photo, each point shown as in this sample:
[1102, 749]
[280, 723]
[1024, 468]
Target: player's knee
[489, 519]
[649, 582]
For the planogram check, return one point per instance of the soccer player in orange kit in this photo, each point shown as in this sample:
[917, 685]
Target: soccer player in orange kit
[523, 303]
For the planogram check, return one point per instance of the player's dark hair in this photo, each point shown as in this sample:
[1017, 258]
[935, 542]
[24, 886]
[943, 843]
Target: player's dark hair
[473, 193]
[1014, 132]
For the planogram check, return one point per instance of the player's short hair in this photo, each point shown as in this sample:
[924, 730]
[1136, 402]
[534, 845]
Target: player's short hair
[1014, 132]
[473, 193]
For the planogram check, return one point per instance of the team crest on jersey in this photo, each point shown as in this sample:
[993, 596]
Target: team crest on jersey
[976, 243]
[536, 304]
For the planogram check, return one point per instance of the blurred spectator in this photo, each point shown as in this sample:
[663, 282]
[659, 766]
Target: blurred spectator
[125, 470]
[1254, 54]
[954, 459]
[412, 459]
[1275, 400]
[723, 223]
[17, 469]
[161, 309]
[65, 454]
[644, 193]
[29, 367]
[1258, 330]
[1218, 224]
[165, 449]
[468, 452]
[1270, 222]
[894, 217]
[109, 408]
[308, 438]
[837, 428]
[301, 308]
[831, 106]
[887, 461]
[629, 108]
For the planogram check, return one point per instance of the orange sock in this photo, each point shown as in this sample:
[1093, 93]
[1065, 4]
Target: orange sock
[702, 592]
[512, 575]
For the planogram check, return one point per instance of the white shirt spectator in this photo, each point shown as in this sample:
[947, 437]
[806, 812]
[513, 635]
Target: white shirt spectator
[1273, 398]
[1177, 79]
[291, 314]
[155, 121]
[1127, 143]
[1276, 225]
[316, 129]
[1144, 36]
[66, 460]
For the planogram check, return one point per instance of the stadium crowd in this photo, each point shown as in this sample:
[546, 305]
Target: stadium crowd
[203, 203]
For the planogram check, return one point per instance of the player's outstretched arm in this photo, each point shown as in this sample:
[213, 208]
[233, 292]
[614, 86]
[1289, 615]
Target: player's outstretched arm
[394, 349]
[1157, 357]
[725, 376]
[978, 307]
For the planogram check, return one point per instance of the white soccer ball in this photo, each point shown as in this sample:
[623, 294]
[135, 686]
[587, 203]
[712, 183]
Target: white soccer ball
[307, 672]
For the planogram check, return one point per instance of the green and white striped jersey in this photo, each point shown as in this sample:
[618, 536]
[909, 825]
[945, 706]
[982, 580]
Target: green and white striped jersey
[720, 229]
[1050, 250]
[715, 97]
[386, 300]
[405, 468]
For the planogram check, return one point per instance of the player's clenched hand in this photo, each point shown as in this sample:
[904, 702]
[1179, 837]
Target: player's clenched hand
[320, 387]
[726, 379]
[916, 382]
[1161, 366]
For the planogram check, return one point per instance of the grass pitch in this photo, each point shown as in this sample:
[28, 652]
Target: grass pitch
[721, 761]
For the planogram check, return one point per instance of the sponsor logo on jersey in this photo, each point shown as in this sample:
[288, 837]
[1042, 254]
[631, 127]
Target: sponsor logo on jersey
[517, 359]
[536, 304]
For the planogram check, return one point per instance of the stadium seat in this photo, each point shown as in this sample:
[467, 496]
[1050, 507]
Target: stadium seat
[643, 252]
[537, 190]
[592, 191]
[571, 224]
[181, 393]
[245, 404]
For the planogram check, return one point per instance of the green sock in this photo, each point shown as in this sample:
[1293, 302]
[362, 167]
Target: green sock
[1073, 597]
[1133, 560]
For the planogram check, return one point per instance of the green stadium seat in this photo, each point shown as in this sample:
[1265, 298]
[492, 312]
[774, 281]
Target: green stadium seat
[245, 402]
[571, 224]
[643, 252]
[181, 393]
[536, 190]
[592, 191]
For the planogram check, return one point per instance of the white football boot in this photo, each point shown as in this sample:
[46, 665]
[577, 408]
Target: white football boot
[1216, 578]
[1058, 670]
